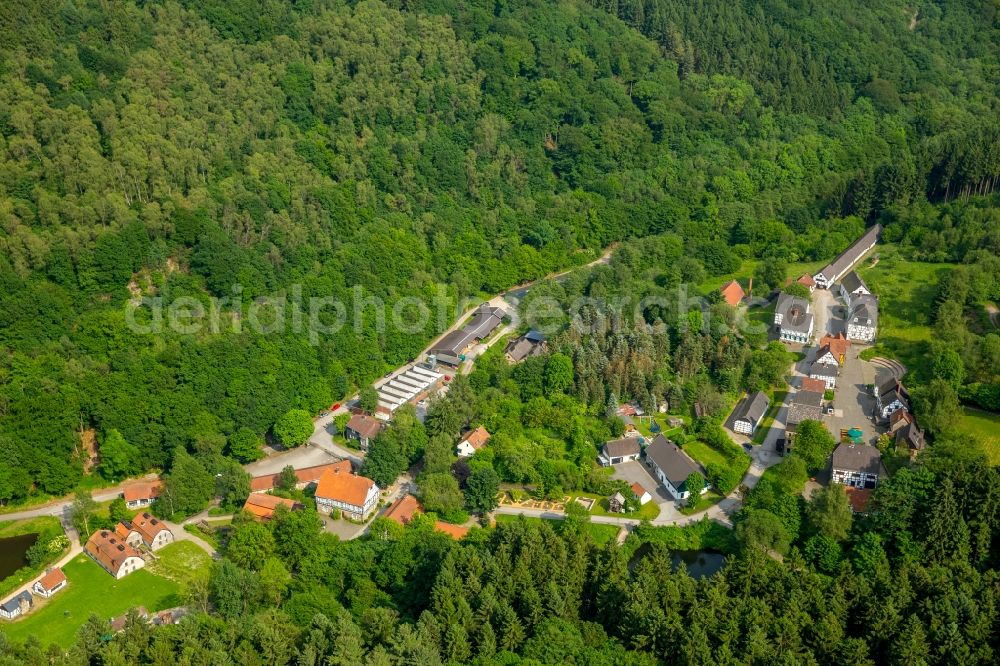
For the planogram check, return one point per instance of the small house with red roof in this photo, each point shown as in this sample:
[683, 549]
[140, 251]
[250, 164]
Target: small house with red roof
[53, 581]
[141, 494]
[641, 493]
[362, 429]
[732, 293]
[472, 441]
[262, 506]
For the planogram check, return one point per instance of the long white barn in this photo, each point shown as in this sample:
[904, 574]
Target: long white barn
[837, 268]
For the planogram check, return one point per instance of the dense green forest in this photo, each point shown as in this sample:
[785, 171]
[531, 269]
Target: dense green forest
[260, 148]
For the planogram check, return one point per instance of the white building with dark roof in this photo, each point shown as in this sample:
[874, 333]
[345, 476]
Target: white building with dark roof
[862, 318]
[749, 413]
[852, 286]
[857, 465]
[825, 373]
[671, 466]
[793, 319]
[837, 268]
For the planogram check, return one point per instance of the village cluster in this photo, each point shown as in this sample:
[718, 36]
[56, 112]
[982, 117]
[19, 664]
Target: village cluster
[831, 386]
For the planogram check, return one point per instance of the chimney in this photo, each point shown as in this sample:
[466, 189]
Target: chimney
[750, 288]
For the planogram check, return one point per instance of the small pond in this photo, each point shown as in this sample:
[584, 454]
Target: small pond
[12, 553]
[699, 563]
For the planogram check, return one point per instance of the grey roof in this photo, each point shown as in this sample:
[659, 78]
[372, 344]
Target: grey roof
[851, 255]
[482, 322]
[852, 282]
[818, 369]
[626, 446]
[618, 497]
[794, 311]
[863, 458]
[673, 462]
[888, 382]
[808, 398]
[911, 435]
[797, 413]
[14, 602]
[864, 310]
[752, 408]
[529, 344]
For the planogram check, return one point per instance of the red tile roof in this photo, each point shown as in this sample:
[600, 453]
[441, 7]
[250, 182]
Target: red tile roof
[859, 498]
[304, 475]
[142, 490]
[364, 425]
[338, 484]
[148, 527]
[109, 550]
[52, 579]
[838, 344]
[477, 438]
[263, 506]
[454, 531]
[810, 384]
[638, 490]
[403, 509]
[732, 293]
[806, 280]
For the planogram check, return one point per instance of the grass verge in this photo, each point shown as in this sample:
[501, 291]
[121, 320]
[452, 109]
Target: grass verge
[92, 590]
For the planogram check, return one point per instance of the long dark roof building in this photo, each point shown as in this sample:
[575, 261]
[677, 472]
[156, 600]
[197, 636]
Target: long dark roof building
[846, 261]
[483, 321]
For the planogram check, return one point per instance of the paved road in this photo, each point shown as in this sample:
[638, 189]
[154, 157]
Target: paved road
[309, 455]
[825, 309]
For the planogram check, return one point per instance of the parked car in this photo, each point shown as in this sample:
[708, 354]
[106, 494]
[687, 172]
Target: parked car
[748, 446]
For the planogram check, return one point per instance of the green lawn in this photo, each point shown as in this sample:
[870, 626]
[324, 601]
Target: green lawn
[92, 590]
[182, 562]
[601, 533]
[747, 268]
[648, 511]
[704, 453]
[985, 429]
[705, 501]
[29, 526]
[906, 291]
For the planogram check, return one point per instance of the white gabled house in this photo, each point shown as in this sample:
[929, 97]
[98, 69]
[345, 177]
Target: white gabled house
[749, 413]
[619, 451]
[793, 319]
[853, 286]
[672, 466]
[826, 356]
[862, 319]
[355, 496]
[890, 397]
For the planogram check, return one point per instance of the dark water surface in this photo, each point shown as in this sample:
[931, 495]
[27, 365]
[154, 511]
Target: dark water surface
[12, 551]
[699, 563]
